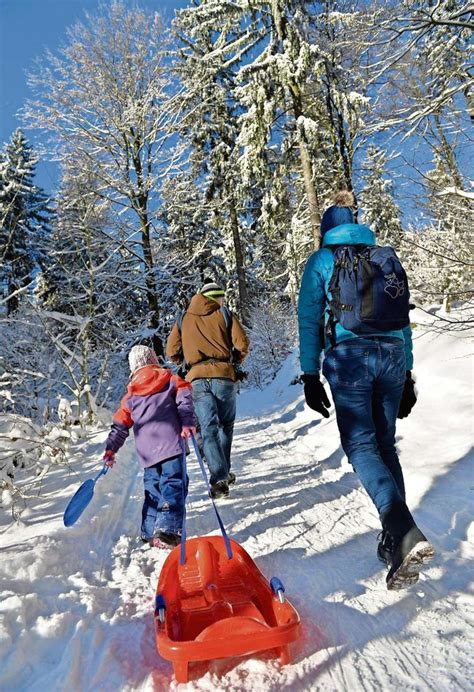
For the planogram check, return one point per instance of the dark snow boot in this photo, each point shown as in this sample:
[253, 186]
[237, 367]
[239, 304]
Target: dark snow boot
[231, 478]
[410, 547]
[219, 489]
[385, 548]
[165, 540]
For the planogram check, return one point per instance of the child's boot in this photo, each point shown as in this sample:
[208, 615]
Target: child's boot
[219, 489]
[162, 539]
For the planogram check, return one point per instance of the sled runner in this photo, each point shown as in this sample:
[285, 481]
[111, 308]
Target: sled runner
[212, 601]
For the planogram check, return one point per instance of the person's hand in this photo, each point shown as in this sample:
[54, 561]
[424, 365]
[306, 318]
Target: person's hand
[241, 375]
[315, 394]
[109, 458]
[408, 399]
[187, 431]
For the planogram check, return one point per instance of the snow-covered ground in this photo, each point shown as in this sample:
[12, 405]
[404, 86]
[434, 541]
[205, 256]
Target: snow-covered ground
[76, 604]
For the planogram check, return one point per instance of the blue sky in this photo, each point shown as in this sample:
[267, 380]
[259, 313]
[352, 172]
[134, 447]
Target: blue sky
[27, 28]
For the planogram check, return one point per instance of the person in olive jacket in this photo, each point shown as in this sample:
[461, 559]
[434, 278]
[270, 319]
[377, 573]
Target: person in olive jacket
[212, 343]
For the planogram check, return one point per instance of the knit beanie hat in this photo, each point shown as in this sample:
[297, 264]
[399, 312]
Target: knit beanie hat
[212, 290]
[140, 356]
[341, 212]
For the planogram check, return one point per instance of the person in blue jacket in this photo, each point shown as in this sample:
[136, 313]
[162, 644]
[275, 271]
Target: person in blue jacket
[370, 381]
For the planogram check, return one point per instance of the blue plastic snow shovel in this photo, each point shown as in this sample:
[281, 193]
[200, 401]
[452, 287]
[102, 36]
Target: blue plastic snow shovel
[81, 499]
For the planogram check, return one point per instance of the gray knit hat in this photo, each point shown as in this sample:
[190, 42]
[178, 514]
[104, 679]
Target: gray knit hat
[140, 356]
[212, 290]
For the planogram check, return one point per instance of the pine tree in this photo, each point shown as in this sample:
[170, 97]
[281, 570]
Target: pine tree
[85, 300]
[24, 219]
[195, 244]
[451, 237]
[208, 124]
[380, 211]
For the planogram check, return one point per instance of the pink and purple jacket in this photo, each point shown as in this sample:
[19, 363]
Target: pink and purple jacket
[157, 404]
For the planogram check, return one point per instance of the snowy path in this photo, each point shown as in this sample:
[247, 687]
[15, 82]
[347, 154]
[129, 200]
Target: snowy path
[76, 604]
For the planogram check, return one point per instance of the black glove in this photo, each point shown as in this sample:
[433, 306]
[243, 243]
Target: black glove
[241, 375]
[408, 399]
[315, 394]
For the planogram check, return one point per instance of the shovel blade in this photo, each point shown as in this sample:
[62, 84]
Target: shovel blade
[79, 502]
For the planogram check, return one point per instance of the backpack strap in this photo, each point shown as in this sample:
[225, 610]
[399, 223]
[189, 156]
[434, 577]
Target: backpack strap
[341, 262]
[227, 315]
[329, 329]
[179, 321]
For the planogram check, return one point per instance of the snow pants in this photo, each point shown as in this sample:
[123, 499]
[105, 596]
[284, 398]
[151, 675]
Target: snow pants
[366, 377]
[215, 404]
[163, 507]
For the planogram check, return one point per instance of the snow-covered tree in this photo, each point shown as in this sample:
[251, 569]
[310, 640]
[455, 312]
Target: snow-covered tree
[449, 239]
[380, 211]
[208, 124]
[272, 335]
[425, 50]
[263, 50]
[24, 219]
[104, 99]
[85, 300]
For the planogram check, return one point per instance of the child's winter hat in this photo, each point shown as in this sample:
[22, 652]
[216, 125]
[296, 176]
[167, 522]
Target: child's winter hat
[140, 356]
[212, 290]
[341, 212]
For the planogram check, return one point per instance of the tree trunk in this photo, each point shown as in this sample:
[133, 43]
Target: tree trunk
[280, 22]
[311, 194]
[141, 208]
[239, 261]
[12, 300]
[448, 152]
[152, 298]
[447, 303]
[307, 168]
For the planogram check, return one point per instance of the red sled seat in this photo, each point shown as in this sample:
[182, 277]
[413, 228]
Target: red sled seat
[215, 607]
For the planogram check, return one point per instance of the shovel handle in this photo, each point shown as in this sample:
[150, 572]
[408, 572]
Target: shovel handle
[102, 472]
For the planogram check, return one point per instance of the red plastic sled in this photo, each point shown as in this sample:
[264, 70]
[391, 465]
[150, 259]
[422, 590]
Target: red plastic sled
[212, 607]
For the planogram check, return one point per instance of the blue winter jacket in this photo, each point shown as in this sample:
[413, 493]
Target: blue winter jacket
[313, 302]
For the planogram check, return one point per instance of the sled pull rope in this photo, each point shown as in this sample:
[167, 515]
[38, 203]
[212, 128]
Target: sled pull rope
[219, 520]
[184, 484]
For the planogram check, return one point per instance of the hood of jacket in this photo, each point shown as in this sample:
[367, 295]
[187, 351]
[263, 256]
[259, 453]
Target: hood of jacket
[200, 305]
[148, 380]
[349, 234]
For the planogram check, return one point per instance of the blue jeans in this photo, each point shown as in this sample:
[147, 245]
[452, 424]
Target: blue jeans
[163, 508]
[366, 376]
[214, 404]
